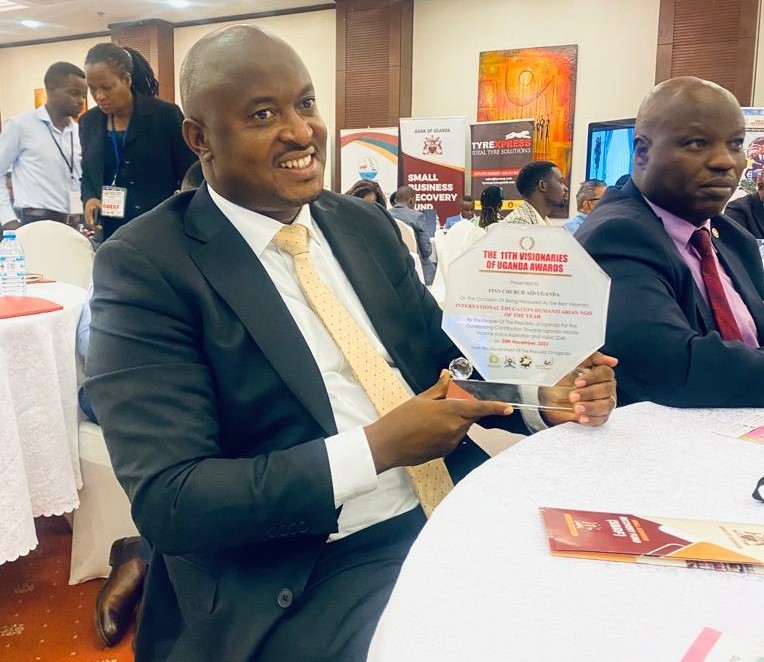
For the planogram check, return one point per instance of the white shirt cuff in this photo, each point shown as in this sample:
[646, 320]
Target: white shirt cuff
[529, 395]
[351, 465]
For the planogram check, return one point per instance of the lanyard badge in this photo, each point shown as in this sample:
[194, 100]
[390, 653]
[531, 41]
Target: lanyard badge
[114, 198]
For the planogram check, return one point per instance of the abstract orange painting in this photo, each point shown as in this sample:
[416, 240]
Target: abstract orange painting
[537, 83]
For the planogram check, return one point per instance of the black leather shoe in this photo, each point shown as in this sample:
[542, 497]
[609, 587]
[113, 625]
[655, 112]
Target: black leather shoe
[118, 597]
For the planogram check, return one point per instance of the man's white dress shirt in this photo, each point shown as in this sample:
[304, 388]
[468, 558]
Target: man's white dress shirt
[365, 497]
[42, 179]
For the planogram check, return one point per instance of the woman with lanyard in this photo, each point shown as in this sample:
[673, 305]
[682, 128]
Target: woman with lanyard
[133, 153]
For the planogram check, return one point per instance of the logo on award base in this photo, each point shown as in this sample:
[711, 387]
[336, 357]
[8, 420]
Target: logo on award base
[527, 243]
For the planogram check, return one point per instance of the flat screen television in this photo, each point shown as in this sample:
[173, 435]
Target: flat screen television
[609, 150]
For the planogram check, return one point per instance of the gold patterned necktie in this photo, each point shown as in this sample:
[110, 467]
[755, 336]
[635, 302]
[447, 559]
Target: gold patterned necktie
[385, 390]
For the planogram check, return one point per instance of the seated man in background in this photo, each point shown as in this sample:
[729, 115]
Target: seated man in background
[403, 210]
[686, 318]
[543, 189]
[588, 196]
[749, 210]
[467, 213]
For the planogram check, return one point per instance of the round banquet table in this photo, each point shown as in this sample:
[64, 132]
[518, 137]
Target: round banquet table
[39, 463]
[480, 584]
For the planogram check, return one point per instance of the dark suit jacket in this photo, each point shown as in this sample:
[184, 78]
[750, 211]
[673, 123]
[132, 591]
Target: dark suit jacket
[659, 325]
[749, 212]
[155, 160]
[215, 412]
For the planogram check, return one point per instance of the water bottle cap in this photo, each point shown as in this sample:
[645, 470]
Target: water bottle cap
[9, 234]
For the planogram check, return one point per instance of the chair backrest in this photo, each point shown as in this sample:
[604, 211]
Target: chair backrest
[407, 232]
[58, 252]
[457, 240]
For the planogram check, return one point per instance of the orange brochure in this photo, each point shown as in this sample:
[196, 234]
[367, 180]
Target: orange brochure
[727, 546]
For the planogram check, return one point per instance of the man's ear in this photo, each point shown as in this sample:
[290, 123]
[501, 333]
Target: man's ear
[196, 138]
[542, 185]
[641, 149]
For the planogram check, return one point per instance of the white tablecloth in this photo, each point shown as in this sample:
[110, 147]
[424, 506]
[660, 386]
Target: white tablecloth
[39, 465]
[480, 584]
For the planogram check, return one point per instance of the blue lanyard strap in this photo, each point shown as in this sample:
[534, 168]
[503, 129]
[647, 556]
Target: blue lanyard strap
[117, 157]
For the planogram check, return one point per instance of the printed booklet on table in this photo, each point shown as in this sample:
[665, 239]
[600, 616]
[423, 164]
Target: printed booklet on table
[726, 546]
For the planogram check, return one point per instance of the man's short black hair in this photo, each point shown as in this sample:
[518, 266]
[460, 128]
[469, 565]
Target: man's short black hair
[531, 174]
[468, 198]
[58, 72]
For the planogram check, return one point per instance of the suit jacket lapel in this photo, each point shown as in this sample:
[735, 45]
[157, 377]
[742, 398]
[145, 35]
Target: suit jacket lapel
[95, 152]
[251, 294]
[370, 283]
[141, 119]
[704, 310]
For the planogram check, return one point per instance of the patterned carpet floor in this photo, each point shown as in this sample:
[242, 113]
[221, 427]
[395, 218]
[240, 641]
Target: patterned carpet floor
[42, 618]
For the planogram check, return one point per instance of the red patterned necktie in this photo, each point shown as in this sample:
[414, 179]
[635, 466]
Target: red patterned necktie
[717, 299]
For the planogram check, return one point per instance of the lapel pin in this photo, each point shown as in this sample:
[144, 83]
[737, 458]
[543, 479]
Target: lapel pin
[715, 232]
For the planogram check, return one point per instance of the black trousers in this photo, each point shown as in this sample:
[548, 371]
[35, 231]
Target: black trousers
[345, 595]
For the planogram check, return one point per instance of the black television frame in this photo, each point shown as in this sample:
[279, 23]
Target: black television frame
[627, 123]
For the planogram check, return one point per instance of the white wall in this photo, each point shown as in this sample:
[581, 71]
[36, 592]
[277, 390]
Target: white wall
[616, 54]
[616, 57]
[24, 68]
[311, 34]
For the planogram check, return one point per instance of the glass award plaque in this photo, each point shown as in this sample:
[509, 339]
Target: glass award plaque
[525, 304]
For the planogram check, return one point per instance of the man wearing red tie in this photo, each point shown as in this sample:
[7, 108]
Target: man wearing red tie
[686, 317]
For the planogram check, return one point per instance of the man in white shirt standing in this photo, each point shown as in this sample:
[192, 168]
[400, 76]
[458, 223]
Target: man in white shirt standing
[42, 150]
[274, 466]
[543, 189]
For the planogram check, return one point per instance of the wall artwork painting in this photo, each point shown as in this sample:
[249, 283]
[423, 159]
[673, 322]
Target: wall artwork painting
[537, 83]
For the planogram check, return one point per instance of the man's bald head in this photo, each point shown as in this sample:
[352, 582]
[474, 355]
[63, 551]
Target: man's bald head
[676, 95]
[252, 119]
[218, 59]
[688, 147]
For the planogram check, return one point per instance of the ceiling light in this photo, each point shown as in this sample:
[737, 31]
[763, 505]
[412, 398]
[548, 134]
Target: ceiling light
[31, 24]
[179, 4]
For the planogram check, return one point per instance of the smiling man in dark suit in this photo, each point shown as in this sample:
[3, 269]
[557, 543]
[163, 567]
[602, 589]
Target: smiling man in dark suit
[261, 460]
[686, 318]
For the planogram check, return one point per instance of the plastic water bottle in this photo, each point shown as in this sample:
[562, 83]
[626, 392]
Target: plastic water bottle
[13, 273]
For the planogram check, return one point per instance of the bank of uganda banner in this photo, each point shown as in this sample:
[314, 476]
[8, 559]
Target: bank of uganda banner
[370, 154]
[499, 150]
[432, 160]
